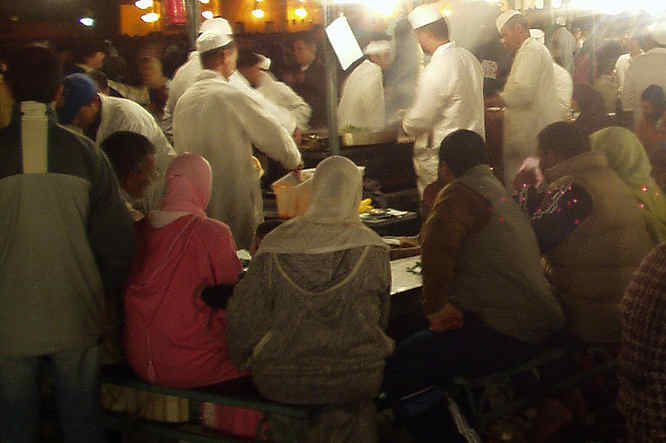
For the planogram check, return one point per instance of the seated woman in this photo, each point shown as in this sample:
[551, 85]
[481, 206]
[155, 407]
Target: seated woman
[172, 337]
[628, 158]
[308, 318]
[590, 104]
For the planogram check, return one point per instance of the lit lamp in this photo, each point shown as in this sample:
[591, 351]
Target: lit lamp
[144, 4]
[151, 17]
[207, 14]
[300, 13]
[258, 13]
[205, 2]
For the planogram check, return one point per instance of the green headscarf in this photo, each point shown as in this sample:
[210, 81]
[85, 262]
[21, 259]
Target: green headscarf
[628, 158]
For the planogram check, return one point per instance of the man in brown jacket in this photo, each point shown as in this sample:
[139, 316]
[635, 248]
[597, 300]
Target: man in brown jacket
[484, 292]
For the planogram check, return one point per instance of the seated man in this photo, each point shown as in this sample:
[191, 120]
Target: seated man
[484, 292]
[589, 226]
[133, 159]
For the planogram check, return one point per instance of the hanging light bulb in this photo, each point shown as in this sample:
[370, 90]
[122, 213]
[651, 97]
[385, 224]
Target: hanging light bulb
[207, 14]
[258, 13]
[151, 17]
[144, 4]
[87, 21]
[300, 12]
[205, 2]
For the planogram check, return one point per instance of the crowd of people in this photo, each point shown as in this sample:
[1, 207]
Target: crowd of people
[124, 207]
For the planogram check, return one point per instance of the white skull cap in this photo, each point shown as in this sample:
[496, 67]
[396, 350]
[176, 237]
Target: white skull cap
[424, 15]
[504, 18]
[264, 62]
[378, 47]
[538, 35]
[212, 40]
[217, 25]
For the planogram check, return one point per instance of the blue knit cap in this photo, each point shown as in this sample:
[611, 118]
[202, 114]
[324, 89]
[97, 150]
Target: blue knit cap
[78, 91]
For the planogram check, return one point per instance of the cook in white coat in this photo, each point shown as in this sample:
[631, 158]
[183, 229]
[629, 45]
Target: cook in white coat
[99, 116]
[529, 95]
[188, 73]
[645, 70]
[449, 93]
[362, 101]
[563, 80]
[215, 119]
[254, 68]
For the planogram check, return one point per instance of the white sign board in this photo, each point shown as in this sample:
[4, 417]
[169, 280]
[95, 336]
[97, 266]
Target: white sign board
[344, 43]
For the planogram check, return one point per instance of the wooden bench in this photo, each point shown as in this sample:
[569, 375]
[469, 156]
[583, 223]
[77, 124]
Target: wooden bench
[193, 431]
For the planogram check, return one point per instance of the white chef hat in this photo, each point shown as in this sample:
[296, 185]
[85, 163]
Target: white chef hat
[504, 18]
[424, 15]
[217, 25]
[212, 40]
[538, 35]
[657, 32]
[378, 47]
[264, 62]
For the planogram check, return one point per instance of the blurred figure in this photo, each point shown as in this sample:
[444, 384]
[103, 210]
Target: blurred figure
[563, 81]
[98, 116]
[624, 61]
[362, 100]
[589, 227]
[66, 245]
[530, 94]
[255, 68]
[400, 78]
[563, 45]
[642, 371]
[647, 69]
[86, 57]
[627, 157]
[651, 129]
[309, 79]
[308, 319]
[449, 95]
[133, 159]
[589, 103]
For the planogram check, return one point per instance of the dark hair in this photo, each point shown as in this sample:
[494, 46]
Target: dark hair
[247, 58]
[126, 150]
[593, 116]
[654, 95]
[209, 58]
[100, 78]
[266, 227]
[438, 29]
[87, 48]
[462, 150]
[305, 37]
[564, 139]
[35, 74]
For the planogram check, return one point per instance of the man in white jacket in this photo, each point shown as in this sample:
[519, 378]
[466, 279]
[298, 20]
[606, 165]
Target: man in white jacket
[217, 120]
[449, 93]
[255, 68]
[563, 80]
[187, 75]
[362, 101]
[529, 95]
[99, 116]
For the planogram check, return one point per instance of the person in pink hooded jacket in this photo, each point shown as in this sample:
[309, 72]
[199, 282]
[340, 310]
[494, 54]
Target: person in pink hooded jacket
[172, 336]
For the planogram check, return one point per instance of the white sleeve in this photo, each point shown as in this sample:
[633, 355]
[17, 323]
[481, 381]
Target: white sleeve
[523, 81]
[295, 104]
[628, 91]
[266, 132]
[431, 96]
